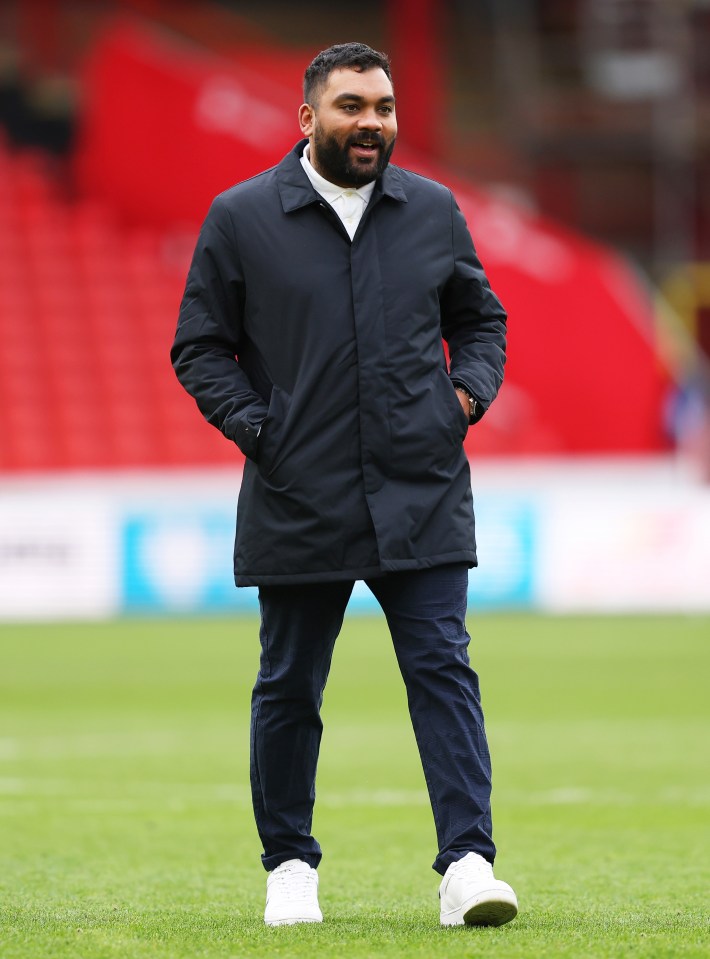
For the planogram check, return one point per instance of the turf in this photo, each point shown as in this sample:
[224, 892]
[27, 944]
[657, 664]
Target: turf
[126, 830]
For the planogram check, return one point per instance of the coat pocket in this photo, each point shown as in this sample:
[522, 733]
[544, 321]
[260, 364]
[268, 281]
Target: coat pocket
[458, 422]
[428, 432]
[273, 431]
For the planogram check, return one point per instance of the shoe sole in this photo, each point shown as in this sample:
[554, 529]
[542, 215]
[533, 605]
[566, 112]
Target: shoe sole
[493, 908]
[288, 922]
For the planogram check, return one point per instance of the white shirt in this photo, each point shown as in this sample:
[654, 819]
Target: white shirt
[347, 202]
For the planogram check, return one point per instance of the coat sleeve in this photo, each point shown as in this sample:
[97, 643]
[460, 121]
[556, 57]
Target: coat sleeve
[210, 333]
[473, 321]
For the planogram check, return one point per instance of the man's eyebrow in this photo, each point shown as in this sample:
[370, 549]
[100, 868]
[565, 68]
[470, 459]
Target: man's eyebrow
[356, 96]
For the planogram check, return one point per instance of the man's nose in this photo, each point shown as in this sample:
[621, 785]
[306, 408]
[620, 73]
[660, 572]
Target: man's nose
[369, 120]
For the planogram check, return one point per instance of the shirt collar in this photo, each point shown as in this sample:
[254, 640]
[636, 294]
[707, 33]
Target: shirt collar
[296, 190]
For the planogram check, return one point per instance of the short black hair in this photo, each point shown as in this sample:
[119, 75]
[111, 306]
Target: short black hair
[357, 56]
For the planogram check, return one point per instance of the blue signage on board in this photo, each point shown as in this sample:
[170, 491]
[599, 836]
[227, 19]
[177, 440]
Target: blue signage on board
[179, 559]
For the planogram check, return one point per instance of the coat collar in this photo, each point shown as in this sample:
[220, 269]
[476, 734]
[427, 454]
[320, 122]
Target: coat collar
[296, 190]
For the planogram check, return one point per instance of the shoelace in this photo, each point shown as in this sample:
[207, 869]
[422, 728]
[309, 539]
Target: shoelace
[472, 866]
[294, 885]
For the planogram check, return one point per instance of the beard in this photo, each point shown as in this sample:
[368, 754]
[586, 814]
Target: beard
[337, 165]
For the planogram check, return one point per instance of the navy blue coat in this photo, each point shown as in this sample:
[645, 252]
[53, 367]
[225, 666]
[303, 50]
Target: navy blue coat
[322, 359]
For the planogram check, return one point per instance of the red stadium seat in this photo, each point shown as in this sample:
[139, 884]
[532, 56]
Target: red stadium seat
[87, 315]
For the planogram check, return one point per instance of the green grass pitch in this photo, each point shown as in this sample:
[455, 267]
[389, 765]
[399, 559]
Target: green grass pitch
[125, 822]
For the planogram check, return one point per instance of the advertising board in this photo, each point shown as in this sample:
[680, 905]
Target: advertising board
[58, 557]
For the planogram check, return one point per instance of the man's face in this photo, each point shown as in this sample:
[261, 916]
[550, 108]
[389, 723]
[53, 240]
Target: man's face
[352, 127]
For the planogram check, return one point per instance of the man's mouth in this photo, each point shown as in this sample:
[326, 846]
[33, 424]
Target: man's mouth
[365, 148]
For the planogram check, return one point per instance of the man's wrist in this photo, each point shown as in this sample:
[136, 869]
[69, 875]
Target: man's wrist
[472, 402]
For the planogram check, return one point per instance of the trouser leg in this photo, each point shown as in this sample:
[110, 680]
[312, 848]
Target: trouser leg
[426, 612]
[299, 626]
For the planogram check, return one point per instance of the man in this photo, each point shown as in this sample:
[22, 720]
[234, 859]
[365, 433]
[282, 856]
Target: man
[310, 334]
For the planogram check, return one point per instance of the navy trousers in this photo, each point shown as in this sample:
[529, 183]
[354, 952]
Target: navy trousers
[425, 612]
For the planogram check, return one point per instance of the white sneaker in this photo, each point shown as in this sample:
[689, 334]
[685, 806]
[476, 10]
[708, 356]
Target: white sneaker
[471, 895]
[292, 894]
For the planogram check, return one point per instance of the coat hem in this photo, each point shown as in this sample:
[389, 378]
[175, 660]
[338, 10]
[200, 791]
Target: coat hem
[338, 575]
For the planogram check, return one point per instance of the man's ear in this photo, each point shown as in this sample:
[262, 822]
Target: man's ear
[306, 115]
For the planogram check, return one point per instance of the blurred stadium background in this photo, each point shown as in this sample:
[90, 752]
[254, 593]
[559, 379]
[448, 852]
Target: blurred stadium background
[576, 136]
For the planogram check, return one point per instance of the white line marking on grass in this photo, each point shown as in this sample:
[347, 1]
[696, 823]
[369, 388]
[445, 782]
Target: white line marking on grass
[12, 786]
[90, 745]
[566, 795]
[27, 807]
[372, 797]
[138, 788]
[9, 748]
[181, 795]
[139, 794]
[580, 796]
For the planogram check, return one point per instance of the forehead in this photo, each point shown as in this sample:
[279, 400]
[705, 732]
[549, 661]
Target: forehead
[371, 84]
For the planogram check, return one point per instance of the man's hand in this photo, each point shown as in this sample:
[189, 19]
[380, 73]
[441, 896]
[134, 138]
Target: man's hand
[463, 400]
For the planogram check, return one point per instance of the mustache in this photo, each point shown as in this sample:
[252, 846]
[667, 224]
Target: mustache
[371, 139]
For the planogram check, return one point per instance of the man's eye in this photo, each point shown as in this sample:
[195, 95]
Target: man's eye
[386, 110]
[350, 107]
